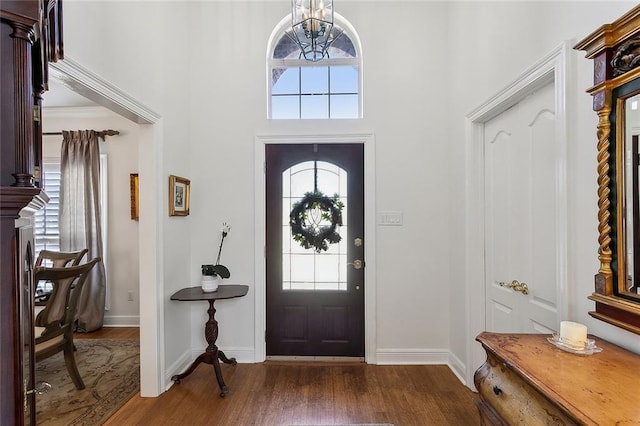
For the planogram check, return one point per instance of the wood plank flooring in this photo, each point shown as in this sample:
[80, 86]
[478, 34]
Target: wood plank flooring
[110, 333]
[280, 393]
[309, 394]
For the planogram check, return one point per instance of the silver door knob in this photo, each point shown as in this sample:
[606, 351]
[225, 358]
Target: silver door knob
[357, 264]
[41, 388]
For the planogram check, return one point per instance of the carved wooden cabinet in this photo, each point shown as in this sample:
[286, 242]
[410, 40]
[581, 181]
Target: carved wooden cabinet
[30, 37]
[527, 380]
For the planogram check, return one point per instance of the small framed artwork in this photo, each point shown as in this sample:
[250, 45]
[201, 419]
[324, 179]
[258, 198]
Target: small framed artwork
[134, 191]
[178, 196]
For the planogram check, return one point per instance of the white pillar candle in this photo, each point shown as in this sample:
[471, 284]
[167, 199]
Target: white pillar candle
[573, 333]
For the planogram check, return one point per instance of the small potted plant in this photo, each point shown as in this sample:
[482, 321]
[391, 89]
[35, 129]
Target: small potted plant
[212, 273]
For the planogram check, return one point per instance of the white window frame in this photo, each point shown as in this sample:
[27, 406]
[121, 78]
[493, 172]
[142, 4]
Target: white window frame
[279, 32]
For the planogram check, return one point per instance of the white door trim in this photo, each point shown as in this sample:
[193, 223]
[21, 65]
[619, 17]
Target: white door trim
[369, 230]
[552, 68]
[152, 350]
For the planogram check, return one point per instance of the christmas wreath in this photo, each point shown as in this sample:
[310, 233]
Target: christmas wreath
[314, 220]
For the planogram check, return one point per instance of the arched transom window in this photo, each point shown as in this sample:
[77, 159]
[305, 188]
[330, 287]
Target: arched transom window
[328, 88]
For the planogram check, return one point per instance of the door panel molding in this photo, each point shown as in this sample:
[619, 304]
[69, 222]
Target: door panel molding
[368, 141]
[554, 67]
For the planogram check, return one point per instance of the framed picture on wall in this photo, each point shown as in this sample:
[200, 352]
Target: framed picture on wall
[178, 196]
[134, 190]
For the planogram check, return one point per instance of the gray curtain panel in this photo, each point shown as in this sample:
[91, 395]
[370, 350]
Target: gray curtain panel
[80, 218]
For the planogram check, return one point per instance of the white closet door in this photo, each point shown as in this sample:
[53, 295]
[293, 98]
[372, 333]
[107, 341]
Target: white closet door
[521, 182]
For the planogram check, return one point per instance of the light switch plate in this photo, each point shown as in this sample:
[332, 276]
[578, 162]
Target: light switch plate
[390, 218]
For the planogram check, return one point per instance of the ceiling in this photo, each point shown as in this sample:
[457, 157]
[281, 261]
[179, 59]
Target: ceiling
[60, 96]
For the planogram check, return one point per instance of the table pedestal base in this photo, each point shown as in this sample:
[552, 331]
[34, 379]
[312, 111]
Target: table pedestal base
[212, 354]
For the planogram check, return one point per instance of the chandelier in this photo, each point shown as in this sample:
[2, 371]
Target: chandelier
[312, 27]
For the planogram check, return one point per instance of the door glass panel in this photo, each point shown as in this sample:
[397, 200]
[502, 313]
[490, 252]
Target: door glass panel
[26, 315]
[302, 268]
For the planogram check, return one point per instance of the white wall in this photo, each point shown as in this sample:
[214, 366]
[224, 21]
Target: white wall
[494, 42]
[201, 65]
[121, 237]
[142, 48]
[230, 110]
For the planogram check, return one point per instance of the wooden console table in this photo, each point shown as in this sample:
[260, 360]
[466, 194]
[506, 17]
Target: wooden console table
[527, 380]
[212, 355]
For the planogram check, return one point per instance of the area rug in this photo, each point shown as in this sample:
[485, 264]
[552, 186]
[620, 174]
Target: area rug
[110, 369]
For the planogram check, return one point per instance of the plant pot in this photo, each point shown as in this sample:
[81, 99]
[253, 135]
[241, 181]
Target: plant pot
[209, 283]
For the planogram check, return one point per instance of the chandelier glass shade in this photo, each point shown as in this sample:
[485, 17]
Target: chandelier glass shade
[312, 27]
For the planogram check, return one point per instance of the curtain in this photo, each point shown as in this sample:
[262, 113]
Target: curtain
[80, 218]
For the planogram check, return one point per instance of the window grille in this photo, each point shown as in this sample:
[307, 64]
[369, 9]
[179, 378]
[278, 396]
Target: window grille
[325, 89]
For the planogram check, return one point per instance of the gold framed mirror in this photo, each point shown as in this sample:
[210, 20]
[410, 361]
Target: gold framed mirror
[615, 50]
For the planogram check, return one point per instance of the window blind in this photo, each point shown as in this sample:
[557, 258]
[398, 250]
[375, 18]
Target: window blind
[47, 235]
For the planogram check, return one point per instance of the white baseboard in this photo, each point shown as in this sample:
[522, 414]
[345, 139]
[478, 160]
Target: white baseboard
[412, 356]
[178, 367]
[424, 357]
[121, 321]
[459, 369]
[246, 355]
[243, 355]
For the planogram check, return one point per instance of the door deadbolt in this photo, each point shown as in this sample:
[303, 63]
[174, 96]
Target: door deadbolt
[357, 242]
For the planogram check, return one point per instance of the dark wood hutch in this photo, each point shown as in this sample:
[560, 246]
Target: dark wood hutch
[31, 37]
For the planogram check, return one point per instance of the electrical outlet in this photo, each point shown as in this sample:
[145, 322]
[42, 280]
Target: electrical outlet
[130, 298]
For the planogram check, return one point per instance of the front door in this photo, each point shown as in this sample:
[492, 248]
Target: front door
[315, 283]
[522, 220]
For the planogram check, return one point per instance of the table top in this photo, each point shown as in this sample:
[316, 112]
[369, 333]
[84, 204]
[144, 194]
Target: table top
[581, 384]
[225, 291]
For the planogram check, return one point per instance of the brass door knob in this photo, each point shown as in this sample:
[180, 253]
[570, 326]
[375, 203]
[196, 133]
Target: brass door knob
[516, 286]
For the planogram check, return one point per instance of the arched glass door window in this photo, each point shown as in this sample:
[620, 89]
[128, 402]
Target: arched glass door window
[305, 268]
[326, 89]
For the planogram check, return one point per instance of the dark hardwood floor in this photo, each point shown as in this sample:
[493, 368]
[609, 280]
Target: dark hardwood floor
[309, 394]
[111, 333]
[279, 393]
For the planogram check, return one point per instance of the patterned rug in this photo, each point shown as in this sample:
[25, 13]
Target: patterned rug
[110, 369]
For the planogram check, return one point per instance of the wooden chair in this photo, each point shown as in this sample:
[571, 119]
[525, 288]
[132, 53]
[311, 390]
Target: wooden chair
[60, 259]
[55, 259]
[54, 324]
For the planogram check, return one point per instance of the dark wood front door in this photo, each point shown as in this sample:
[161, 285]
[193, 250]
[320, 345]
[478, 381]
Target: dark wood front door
[315, 300]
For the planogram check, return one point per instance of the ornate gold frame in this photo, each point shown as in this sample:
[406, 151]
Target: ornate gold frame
[604, 44]
[179, 196]
[134, 189]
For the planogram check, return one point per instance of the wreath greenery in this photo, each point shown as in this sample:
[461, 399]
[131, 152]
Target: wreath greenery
[314, 235]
